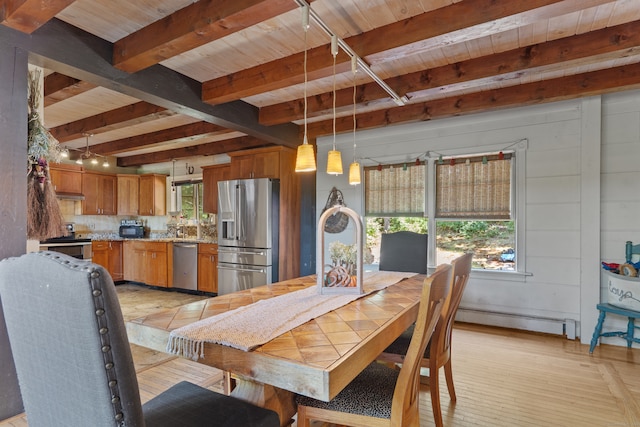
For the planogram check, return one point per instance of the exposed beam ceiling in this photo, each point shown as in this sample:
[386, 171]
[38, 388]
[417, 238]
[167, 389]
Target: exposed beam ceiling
[181, 78]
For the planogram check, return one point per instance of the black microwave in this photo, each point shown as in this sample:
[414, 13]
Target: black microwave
[131, 231]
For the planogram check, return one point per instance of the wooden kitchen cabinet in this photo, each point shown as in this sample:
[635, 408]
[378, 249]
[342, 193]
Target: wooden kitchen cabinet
[66, 179]
[108, 253]
[210, 177]
[257, 163]
[128, 193]
[100, 193]
[147, 262]
[277, 162]
[208, 267]
[152, 197]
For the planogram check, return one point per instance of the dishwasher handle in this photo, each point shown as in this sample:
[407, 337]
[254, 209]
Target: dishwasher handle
[185, 245]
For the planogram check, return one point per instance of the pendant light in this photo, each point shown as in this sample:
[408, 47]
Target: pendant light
[354, 167]
[305, 157]
[334, 159]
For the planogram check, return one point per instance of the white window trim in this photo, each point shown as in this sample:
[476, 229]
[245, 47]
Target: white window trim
[519, 197]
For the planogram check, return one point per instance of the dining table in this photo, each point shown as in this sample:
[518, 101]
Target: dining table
[318, 358]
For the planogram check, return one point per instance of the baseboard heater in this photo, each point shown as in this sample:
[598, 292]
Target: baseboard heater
[566, 327]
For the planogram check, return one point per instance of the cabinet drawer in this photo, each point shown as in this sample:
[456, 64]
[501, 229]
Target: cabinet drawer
[100, 245]
[207, 248]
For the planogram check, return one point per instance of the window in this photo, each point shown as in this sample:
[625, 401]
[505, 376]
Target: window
[476, 203]
[474, 210]
[189, 199]
[394, 190]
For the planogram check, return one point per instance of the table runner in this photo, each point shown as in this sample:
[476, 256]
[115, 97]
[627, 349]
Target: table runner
[248, 327]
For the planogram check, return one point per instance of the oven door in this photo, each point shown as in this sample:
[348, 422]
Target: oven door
[80, 251]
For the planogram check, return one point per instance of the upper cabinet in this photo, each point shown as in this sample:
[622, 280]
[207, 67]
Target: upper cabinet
[152, 197]
[257, 163]
[100, 193]
[128, 193]
[66, 179]
[210, 177]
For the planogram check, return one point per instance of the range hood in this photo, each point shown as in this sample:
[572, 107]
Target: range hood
[70, 196]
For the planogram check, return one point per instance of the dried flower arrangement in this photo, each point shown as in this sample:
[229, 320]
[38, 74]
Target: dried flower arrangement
[44, 218]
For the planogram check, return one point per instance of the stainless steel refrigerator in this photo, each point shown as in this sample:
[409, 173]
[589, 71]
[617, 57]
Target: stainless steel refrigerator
[248, 221]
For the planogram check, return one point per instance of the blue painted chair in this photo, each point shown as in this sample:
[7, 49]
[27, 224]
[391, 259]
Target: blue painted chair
[604, 308]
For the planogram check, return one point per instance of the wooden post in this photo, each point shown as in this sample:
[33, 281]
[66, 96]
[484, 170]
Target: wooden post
[13, 197]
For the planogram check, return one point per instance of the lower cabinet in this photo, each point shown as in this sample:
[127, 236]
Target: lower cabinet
[208, 267]
[108, 254]
[147, 262]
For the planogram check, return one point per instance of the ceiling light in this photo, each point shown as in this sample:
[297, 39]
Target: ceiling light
[305, 157]
[354, 167]
[92, 157]
[334, 160]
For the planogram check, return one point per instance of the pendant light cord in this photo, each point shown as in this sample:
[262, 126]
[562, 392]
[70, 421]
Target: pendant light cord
[305, 84]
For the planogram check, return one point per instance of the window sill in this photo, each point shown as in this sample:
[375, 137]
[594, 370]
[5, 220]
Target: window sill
[507, 276]
[501, 275]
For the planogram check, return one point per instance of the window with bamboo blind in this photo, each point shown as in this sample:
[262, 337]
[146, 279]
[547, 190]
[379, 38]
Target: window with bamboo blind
[394, 190]
[474, 188]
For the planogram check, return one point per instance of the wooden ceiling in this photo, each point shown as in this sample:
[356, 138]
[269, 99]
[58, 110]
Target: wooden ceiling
[170, 79]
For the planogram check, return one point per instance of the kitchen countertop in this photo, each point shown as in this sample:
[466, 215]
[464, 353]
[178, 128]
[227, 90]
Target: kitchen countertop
[153, 239]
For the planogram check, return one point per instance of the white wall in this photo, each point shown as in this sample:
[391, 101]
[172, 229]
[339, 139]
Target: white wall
[562, 232]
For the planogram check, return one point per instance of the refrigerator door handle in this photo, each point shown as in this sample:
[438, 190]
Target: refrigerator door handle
[232, 252]
[239, 215]
[252, 270]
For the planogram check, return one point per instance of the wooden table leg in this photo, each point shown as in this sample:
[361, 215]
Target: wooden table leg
[267, 396]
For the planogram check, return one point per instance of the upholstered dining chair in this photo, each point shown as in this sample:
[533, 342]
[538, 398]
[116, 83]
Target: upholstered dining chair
[403, 251]
[438, 351]
[73, 358]
[380, 395]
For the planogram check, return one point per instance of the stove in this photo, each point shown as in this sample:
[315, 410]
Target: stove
[69, 244]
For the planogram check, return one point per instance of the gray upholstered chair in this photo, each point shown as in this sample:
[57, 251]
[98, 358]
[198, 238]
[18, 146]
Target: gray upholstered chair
[403, 251]
[380, 395]
[73, 358]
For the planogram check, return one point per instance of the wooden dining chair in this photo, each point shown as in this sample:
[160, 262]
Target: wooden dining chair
[438, 351]
[380, 395]
[73, 359]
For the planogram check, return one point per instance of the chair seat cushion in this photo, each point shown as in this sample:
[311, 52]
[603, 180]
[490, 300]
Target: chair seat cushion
[186, 404]
[401, 344]
[369, 394]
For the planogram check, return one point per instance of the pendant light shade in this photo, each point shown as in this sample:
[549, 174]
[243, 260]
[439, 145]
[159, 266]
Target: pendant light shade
[334, 163]
[305, 157]
[354, 173]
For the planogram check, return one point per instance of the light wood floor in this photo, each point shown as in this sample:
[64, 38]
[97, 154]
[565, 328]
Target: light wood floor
[502, 378]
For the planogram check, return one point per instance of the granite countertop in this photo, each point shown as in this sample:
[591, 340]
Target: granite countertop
[165, 239]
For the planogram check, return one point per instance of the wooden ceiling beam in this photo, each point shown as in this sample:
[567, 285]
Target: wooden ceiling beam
[58, 87]
[190, 132]
[190, 27]
[431, 30]
[29, 15]
[128, 115]
[210, 149]
[68, 50]
[615, 42]
[626, 77]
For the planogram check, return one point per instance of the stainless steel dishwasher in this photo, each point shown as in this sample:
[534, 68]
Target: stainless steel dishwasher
[185, 266]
